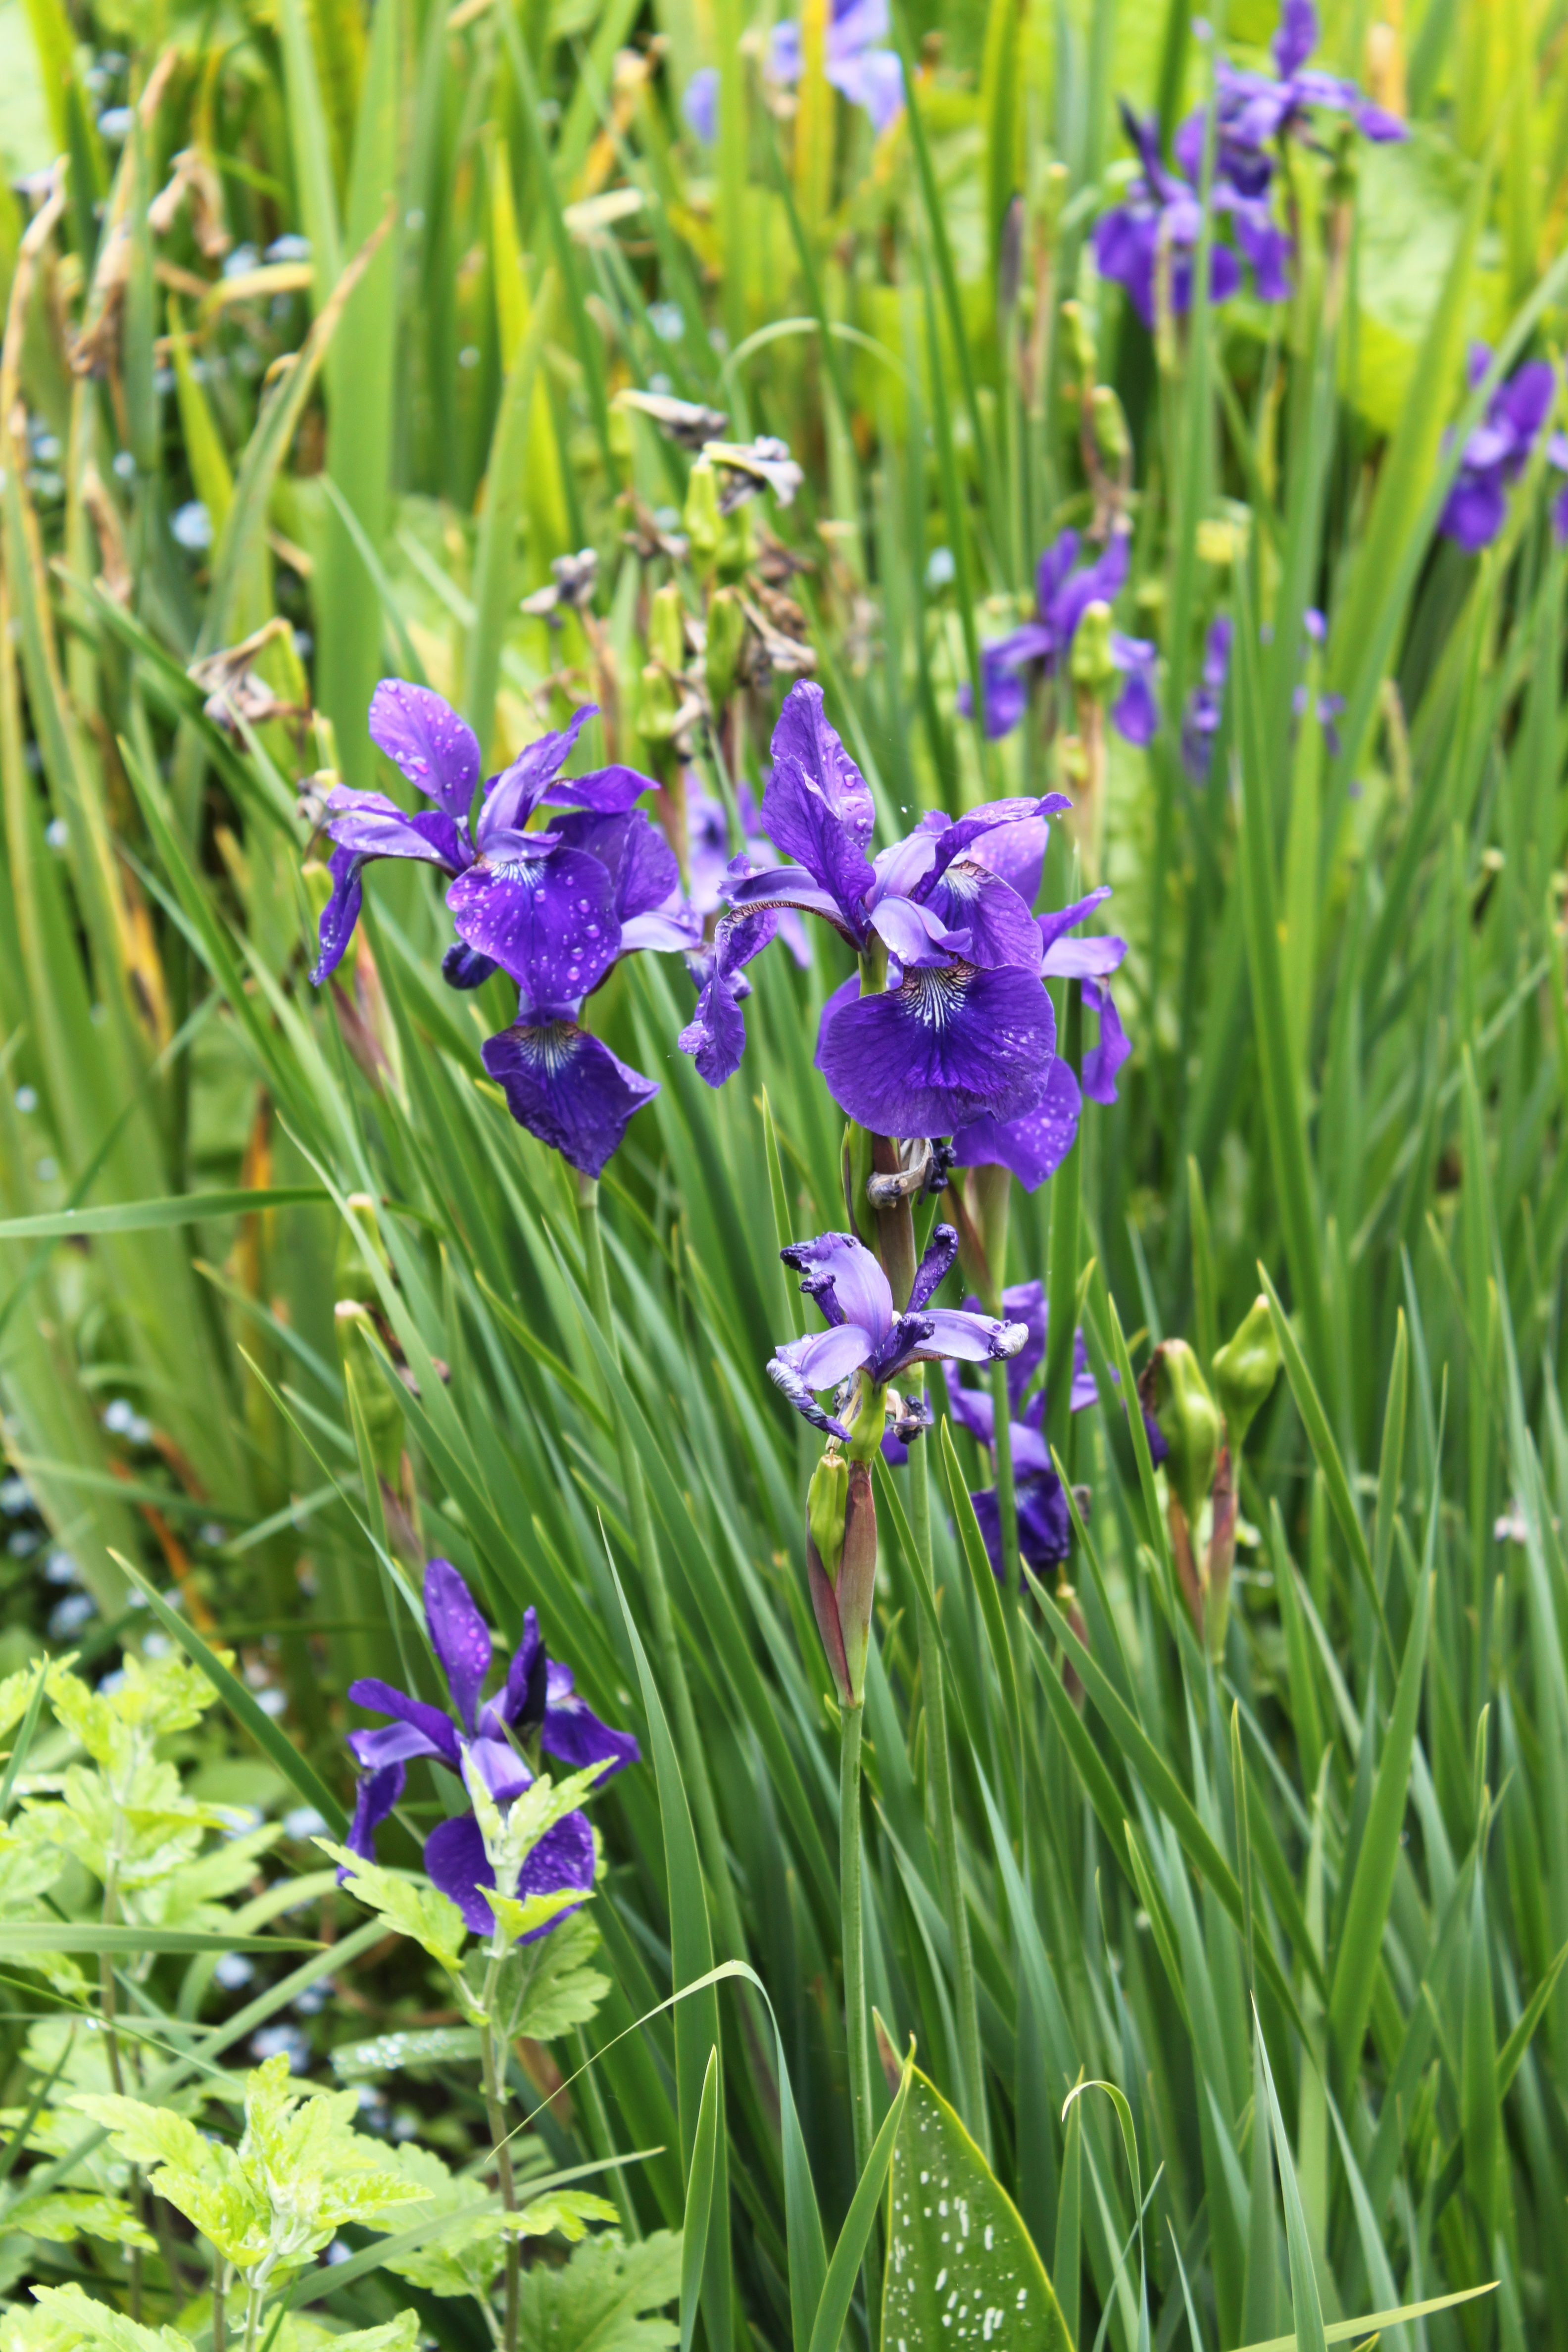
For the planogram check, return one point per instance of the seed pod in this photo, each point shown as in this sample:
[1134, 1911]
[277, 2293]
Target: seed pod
[841, 1503]
[1188, 1420]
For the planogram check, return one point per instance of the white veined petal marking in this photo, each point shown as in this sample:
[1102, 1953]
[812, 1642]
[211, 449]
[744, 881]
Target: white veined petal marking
[550, 1047]
[934, 994]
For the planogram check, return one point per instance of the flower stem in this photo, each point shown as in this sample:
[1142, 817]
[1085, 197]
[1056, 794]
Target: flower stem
[108, 2010]
[693, 1756]
[971, 2101]
[220, 2325]
[253, 2302]
[495, 2115]
[854, 1940]
[1006, 1493]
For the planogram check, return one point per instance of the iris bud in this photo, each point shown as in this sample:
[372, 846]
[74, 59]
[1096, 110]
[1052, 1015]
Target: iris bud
[1107, 422]
[1188, 1420]
[667, 627]
[1092, 664]
[702, 521]
[1245, 1370]
[840, 1509]
[726, 633]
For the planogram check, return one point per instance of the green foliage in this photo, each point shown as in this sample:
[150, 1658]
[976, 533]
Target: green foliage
[605, 2298]
[958, 2256]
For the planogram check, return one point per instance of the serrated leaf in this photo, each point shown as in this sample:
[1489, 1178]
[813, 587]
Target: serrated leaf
[604, 2298]
[75, 2213]
[961, 2263]
[421, 1912]
[517, 1920]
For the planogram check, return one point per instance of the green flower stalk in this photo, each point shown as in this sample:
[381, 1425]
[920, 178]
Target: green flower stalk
[1174, 1394]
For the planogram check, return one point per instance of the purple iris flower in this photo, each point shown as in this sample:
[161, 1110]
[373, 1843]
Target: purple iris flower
[964, 1027]
[1033, 1145]
[1206, 703]
[867, 74]
[865, 1335]
[1044, 1523]
[1038, 649]
[1498, 450]
[1258, 111]
[438, 752]
[1160, 212]
[1135, 713]
[537, 1705]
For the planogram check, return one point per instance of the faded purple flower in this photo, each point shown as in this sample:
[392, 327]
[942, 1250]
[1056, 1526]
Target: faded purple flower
[1498, 450]
[1206, 703]
[867, 1336]
[867, 74]
[537, 1708]
[1135, 713]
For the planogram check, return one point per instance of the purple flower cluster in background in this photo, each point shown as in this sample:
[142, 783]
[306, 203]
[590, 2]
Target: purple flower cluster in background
[554, 908]
[1255, 115]
[537, 1706]
[867, 74]
[1497, 451]
[1040, 648]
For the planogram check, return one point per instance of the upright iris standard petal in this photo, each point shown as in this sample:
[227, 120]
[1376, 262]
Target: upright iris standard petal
[422, 736]
[1135, 713]
[944, 1047]
[845, 1280]
[1102, 1063]
[458, 1635]
[511, 797]
[550, 922]
[935, 1265]
[700, 103]
[567, 1088]
[817, 806]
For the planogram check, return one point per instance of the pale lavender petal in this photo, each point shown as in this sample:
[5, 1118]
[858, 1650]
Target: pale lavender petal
[608, 791]
[858, 1284]
[1084, 959]
[971, 1409]
[969, 1339]
[700, 103]
[874, 80]
[917, 935]
[825, 1357]
[458, 1635]
[373, 826]
[498, 1765]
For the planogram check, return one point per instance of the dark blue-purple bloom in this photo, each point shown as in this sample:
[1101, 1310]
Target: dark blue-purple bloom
[536, 1708]
[1043, 1523]
[1256, 115]
[963, 1025]
[1498, 450]
[1206, 703]
[1033, 1145]
[865, 1335]
[1160, 219]
[1008, 665]
[867, 74]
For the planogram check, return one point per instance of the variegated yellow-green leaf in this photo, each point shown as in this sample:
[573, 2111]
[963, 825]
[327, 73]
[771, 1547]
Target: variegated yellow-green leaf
[961, 2268]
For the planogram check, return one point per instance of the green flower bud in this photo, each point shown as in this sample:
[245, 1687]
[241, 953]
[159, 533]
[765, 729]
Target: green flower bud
[359, 1247]
[1092, 664]
[726, 633]
[1080, 331]
[702, 518]
[1245, 1370]
[667, 627]
[1107, 422]
[1188, 1421]
[844, 1579]
[364, 1375]
[826, 1500]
